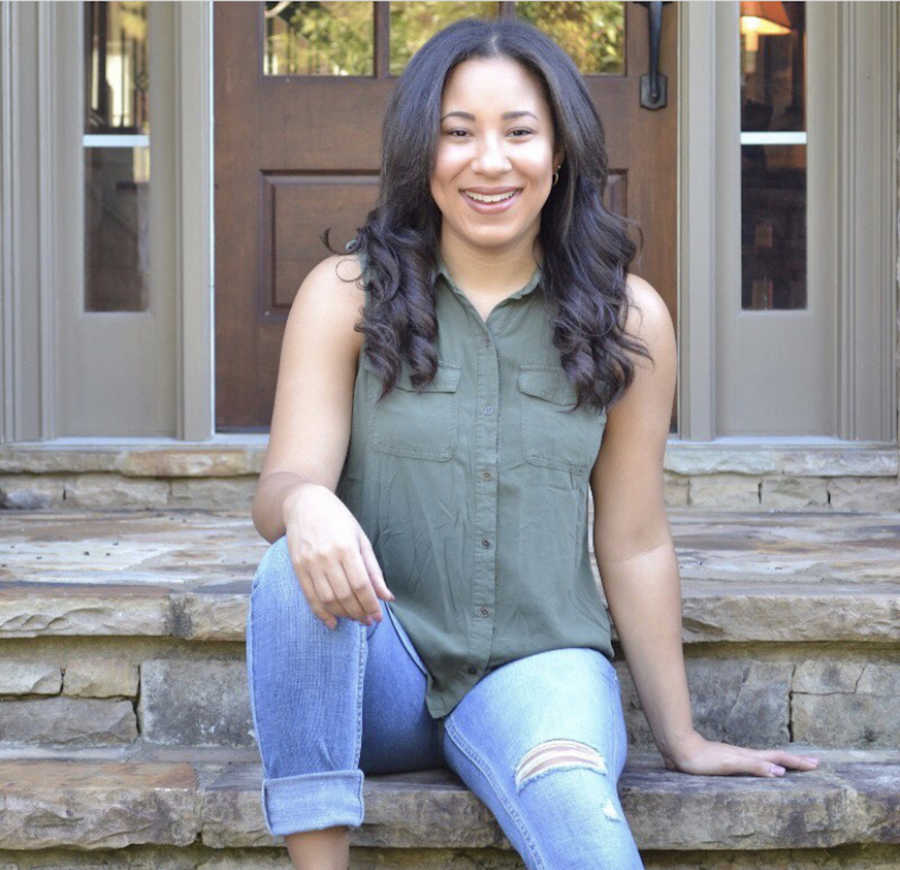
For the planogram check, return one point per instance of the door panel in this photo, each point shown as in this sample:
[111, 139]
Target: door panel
[296, 154]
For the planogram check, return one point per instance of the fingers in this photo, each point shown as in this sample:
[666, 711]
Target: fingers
[715, 758]
[314, 588]
[788, 759]
[338, 571]
[774, 762]
[343, 587]
[359, 582]
[373, 568]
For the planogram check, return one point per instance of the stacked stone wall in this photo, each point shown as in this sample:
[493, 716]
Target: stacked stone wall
[113, 691]
[198, 478]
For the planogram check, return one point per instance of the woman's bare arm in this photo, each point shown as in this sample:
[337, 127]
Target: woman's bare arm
[314, 397]
[332, 557]
[636, 555]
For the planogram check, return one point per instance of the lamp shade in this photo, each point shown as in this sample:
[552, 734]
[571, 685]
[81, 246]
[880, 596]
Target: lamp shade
[768, 19]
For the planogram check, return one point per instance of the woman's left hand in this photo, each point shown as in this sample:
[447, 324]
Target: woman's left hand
[698, 755]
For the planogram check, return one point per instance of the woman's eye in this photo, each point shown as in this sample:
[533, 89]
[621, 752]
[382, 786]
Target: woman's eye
[456, 134]
[521, 131]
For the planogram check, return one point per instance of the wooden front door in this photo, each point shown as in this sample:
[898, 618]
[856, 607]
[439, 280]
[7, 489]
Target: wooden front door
[300, 92]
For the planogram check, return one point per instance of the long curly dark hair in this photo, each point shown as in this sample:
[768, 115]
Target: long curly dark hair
[586, 249]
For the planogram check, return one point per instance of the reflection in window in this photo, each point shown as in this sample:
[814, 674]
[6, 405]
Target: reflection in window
[414, 23]
[773, 156]
[592, 34]
[319, 39]
[116, 157]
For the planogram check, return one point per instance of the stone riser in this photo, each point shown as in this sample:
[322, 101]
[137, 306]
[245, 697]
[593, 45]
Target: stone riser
[204, 858]
[222, 476]
[112, 691]
[725, 491]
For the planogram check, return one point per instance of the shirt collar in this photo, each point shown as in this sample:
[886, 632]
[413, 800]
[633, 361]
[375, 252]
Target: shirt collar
[530, 285]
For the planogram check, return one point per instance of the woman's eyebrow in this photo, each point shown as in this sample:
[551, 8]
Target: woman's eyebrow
[506, 116]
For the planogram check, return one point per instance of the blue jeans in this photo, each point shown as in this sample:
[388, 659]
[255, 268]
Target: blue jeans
[541, 741]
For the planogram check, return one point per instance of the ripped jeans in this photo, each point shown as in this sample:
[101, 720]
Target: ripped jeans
[541, 741]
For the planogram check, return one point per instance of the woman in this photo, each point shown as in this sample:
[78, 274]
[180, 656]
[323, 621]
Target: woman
[504, 362]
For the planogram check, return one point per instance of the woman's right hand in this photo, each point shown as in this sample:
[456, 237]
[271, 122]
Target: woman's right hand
[332, 557]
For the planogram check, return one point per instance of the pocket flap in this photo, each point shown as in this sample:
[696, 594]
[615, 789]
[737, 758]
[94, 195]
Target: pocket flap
[446, 378]
[551, 385]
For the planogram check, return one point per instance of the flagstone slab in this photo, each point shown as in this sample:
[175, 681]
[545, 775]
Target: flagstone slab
[89, 804]
[745, 577]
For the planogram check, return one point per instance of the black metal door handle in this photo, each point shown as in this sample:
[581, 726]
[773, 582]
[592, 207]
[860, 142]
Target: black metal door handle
[654, 83]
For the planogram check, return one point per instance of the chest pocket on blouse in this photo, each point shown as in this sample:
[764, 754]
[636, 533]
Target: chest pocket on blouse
[419, 425]
[552, 436]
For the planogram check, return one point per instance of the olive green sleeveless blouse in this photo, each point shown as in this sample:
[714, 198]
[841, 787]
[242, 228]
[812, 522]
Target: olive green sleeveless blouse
[474, 494]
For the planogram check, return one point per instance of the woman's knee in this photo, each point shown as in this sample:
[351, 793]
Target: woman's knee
[275, 583]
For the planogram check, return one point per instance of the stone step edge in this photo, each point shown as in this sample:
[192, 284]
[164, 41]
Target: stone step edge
[711, 613]
[113, 804]
[230, 455]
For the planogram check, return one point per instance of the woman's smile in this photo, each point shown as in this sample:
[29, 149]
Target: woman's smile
[490, 203]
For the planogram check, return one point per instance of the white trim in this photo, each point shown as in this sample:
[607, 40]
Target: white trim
[115, 140]
[780, 137]
[696, 212]
[7, 249]
[49, 279]
[867, 210]
[194, 190]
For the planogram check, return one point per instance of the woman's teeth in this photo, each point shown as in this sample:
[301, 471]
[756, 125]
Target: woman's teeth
[490, 197]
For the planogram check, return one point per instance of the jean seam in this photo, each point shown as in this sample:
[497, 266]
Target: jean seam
[472, 754]
[251, 683]
[360, 680]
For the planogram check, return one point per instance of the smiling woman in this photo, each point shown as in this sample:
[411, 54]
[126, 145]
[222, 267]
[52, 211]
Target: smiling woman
[449, 398]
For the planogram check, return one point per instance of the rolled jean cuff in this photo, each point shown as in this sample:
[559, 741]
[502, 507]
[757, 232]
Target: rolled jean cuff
[312, 801]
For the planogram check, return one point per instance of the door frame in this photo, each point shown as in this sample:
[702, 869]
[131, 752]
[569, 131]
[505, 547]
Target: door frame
[37, 80]
[852, 174]
[32, 82]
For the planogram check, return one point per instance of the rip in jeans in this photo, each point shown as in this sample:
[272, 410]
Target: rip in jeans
[560, 755]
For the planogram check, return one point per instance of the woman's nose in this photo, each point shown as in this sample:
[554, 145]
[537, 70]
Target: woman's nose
[492, 156]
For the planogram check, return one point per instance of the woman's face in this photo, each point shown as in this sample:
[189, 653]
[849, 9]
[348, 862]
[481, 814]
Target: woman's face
[495, 155]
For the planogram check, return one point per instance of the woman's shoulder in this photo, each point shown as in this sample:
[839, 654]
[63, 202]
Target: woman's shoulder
[339, 275]
[648, 315]
[330, 300]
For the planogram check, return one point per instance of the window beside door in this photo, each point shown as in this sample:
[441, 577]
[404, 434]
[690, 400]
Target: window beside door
[116, 145]
[773, 156]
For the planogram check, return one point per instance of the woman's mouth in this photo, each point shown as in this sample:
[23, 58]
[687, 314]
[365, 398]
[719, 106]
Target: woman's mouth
[490, 202]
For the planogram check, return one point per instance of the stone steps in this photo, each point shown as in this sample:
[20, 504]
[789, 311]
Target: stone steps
[181, 798]
[790, 628]
[125, 727]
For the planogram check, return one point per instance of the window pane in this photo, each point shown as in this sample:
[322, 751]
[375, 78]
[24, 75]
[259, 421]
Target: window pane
[773, 156]
[319, 39]
[773, 226]
[116, 157]
[117, 229]
[592, 34]
[413, 24]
